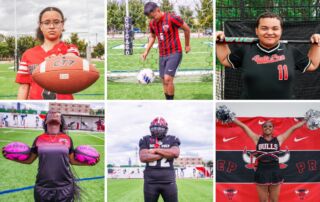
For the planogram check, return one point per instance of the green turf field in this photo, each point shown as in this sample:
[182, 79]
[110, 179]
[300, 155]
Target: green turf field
[123, 190]
[15, 175]
[127, 91]
[200, 58]
[9, 91]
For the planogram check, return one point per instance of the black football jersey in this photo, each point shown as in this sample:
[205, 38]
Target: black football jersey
[268, 146]
[268, 73]
[161, 171]
[54, 167]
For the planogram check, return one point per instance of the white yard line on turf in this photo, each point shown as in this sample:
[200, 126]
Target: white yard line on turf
[91, 136]
[6, 141]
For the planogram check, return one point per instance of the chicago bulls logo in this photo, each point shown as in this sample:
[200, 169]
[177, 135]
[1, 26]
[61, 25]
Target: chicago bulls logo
[230, 193]
[252, 157]
[302, 193]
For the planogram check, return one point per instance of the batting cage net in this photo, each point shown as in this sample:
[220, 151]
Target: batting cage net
[196, 66]
[237, 19]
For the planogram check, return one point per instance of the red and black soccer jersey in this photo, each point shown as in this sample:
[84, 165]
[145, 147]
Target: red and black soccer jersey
[161, 171]
[167, 32]
[268, 73]
[31, 59]
[54, 167]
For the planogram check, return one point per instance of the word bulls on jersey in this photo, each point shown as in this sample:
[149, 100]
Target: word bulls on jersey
[268, 146]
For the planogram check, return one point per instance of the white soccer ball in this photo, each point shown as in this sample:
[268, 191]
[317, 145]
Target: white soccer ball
[146, 76]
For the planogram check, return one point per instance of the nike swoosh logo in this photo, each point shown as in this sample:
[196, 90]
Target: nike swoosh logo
[228, 139]
[261, 122]
[170, 70]
[299, 139]
[280, 49]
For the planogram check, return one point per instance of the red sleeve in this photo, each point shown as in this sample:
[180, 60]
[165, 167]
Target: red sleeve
[23, 75]
[151, 28]
[73, 49]
[176, 20]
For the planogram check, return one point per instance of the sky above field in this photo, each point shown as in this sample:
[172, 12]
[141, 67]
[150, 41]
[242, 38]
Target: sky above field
[45, 105]
[82, 16]
[127, 122]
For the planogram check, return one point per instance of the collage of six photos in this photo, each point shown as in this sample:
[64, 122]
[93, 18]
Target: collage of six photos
[162, 100]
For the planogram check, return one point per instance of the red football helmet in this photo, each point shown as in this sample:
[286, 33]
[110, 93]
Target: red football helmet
[159, 127]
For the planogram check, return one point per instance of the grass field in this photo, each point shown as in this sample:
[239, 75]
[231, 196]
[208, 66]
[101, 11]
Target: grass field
[186, 91]
[200, 58]
[15, 175]
[123, 190]
[9, 91]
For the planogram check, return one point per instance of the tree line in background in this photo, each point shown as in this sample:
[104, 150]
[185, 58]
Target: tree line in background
[7, 46]
[199, 19]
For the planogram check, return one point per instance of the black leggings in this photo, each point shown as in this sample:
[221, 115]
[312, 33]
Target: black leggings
[168, 191]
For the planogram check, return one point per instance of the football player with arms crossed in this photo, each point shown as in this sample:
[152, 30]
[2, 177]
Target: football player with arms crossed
[158, 151]
[268, 66]
[49, 32]
[165, 26]
[267, 176]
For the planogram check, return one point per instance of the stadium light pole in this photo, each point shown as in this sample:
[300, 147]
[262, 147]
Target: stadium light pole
[88, 49]
[127, 8]
[15, 38]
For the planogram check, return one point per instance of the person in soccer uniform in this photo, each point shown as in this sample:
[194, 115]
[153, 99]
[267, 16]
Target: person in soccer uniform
[55, 182]
[49, 32]
[267, 176]
[268, 67]
[165, 26]
[158, 151]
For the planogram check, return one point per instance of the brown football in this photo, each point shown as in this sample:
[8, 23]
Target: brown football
[65, 74]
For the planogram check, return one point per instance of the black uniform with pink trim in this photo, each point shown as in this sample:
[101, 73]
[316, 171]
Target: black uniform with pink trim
[268, 171]
[268, 73]
[55, 181]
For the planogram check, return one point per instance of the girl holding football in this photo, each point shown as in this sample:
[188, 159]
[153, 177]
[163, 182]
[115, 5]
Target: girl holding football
[49, 33]
[267, 176]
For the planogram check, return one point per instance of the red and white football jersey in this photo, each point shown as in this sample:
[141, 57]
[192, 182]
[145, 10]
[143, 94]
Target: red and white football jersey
[31, 58]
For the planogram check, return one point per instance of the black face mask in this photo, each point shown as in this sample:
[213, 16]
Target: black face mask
[158, 131]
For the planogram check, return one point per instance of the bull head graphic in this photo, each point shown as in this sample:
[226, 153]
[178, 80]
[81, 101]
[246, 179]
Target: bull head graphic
[251, 157]
[230, 193]
[301, 193]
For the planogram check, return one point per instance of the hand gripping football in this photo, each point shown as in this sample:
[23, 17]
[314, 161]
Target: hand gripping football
[65, 74]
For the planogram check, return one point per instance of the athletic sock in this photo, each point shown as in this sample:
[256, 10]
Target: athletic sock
[169, 97]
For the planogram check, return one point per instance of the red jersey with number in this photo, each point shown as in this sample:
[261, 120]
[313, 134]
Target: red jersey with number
[167, 32]
[31, 58]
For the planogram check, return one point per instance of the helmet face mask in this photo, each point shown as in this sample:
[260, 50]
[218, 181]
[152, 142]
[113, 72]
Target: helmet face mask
[159, 128]
[158, 131]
